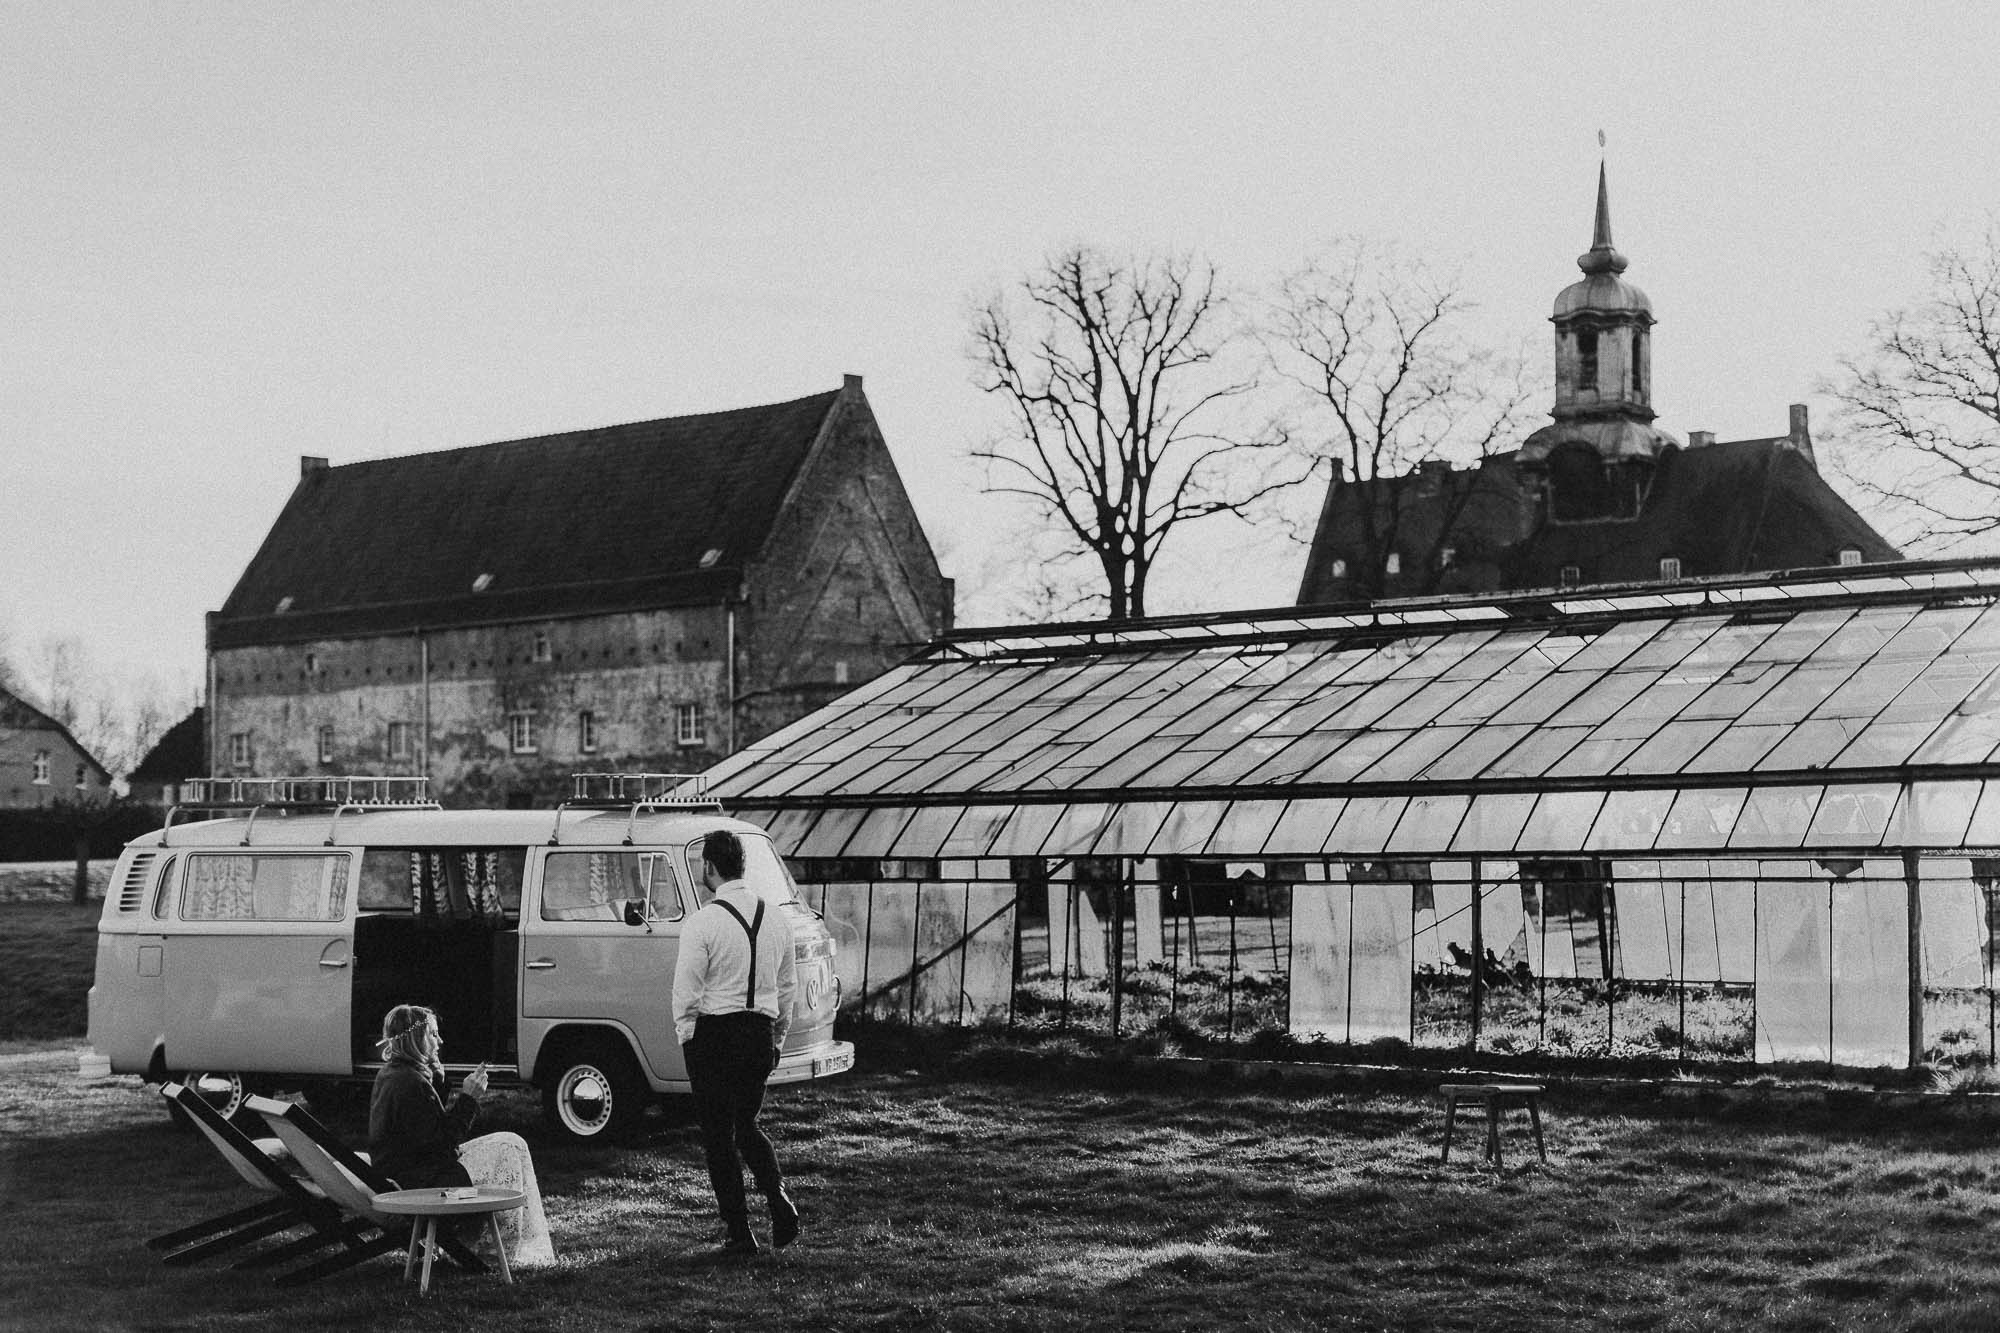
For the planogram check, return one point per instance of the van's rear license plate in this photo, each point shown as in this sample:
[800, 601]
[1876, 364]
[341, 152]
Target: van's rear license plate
[833, 1064]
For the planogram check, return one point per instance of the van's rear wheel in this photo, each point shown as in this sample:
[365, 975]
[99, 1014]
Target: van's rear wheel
[223, 1090]
[595, 1094]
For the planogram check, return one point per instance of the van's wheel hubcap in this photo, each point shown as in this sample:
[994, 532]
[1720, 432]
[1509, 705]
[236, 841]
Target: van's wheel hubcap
[584, 1099]
[224, 1092]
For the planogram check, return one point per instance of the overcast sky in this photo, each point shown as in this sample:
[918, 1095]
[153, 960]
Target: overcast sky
[233, 234]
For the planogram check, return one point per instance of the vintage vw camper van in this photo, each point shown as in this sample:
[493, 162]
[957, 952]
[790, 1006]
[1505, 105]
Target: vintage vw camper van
[260, 947]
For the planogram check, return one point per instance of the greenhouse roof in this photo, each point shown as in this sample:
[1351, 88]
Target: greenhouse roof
[1855, 708]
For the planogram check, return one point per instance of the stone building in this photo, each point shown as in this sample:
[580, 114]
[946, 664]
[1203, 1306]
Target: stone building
[40, 762]
[650, 596]
[1600, 494]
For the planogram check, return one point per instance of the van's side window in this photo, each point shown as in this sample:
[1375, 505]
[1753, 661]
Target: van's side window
[245, 886]
[454, 883]
[594, 886]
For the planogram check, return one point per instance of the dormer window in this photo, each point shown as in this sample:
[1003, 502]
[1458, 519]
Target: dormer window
[482, 583]
[1850, 555]
[1394, 564]
[542, 651]
[1447, 556]
[1570, 576]
[1670, 566]
[284, 605]
[710, 556]
[1340, 569]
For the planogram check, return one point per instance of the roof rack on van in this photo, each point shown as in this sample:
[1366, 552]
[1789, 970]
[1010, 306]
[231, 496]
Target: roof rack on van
[297, 795]
[634, 792]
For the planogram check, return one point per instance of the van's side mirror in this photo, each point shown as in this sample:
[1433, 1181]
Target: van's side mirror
[635, 913]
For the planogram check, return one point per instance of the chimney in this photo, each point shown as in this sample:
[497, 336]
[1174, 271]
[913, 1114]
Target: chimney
[311, 463]
[851, 382]
[1700, 439]
[1801, 434]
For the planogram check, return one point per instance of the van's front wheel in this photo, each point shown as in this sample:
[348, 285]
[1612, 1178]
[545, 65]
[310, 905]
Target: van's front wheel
[594, 1094]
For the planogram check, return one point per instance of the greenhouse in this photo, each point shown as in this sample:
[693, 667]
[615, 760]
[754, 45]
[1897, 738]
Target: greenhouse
[1752, 819]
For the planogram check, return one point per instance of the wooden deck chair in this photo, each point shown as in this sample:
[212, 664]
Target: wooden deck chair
[290, 1202]
[351, 1184]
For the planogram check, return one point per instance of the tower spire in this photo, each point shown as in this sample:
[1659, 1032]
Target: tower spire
[1602, 257]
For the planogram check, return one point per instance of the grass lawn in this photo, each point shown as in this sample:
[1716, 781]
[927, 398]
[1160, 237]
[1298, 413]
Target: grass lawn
[48, 952]
[969, 1185]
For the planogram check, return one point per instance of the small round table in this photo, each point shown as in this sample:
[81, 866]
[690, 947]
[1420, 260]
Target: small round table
[426, 1206]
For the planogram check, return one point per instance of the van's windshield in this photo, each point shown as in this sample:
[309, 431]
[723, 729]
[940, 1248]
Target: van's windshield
[764, 872]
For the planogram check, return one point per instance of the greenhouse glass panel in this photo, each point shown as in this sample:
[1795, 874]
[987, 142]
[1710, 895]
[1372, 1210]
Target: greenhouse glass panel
[1962, 738]
[1422, 707]
[1244, 830]
[1472, 756]
[1701, 818]
[788, 829]
[1933, 814]
[1670, 751]
[1483, 700]
[876, 833]
[1561, 821]
[1953, 911]
[1607, 650]
[1354, 758]
[1503, 925]
[1230, 765]
[1883, 744]
[845, 909]
[1607, 696]
[988, 966]
[973, 834]
[1630, 821]
[1738, 749]
[1493, 822]
[1441, 927]
[1365, 825]
[891, 950]
[1133, 828]
[1811, 744]
[1296, 758]
[1799, 637]
[1794, 1003]
[1798, 694]
[1852, 816]
[1414, 756]
[1736, 689]
[926, 833]
[1305, 826]
[1428, 824]
[1674, 644]
[1643, 908]
[1545, 698]
[1187, 830]
[942, 928]
[1869, 690]
[1598, 755]
[831, 833]
[1077, 830]
[1865, 633]
[1776, 817]
[1542, 747]
[1322, 935]
[1025, 833]
[1380, 963]
[1985, 828]
[1870, 965]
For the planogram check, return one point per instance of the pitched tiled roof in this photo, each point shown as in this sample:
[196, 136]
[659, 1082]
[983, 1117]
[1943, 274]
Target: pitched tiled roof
[1725, 508]
[181, 751]
[17, 713]
[593, 520]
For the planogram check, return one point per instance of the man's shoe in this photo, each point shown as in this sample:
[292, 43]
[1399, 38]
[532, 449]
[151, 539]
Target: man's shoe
[739, 1247]
[784, 1220]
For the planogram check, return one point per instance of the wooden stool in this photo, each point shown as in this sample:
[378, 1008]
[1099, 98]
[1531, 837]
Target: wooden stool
[1495, 1097]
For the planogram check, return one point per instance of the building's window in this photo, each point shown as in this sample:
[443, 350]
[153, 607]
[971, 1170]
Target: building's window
[542, 652]
[1850, 555]
[42, 767]
[1586, 359]
[840, 671]
[399, 740]
[1638, 363]
[284, 605]
[239, 749]
[312, 663]
[82, 780]
[1447, 556]
[326, 745]
[521, 732]
[1394, 564]
[690, 726]
[586, 731]
[1339, 569]
[1670, 566]
[1570, 576]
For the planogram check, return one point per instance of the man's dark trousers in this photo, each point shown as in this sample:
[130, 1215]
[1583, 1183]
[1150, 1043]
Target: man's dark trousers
[728, 1059]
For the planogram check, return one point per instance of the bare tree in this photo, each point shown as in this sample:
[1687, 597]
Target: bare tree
[1919, 424]
[1118, 375]
[1377, 347]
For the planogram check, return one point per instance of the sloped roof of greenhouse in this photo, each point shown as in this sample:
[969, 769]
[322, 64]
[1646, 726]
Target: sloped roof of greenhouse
[1842, 709]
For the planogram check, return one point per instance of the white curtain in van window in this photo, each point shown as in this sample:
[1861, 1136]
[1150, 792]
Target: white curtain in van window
[220, 888]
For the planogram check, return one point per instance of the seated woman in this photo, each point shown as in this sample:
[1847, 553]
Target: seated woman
[416, 1136]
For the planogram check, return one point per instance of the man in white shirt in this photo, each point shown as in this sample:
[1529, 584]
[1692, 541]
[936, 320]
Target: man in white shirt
[733, 987]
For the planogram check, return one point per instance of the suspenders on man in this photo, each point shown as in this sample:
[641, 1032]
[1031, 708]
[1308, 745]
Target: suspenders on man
[731, 1050]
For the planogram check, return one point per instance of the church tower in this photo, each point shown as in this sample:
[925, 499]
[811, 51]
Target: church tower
[1596, 460]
